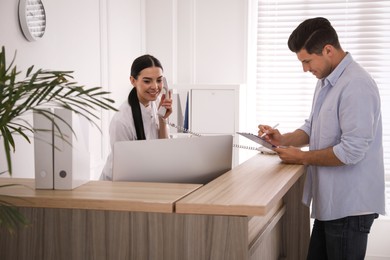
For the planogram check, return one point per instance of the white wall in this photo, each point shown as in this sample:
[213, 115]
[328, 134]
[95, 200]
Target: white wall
[378, 240]
[199, 41]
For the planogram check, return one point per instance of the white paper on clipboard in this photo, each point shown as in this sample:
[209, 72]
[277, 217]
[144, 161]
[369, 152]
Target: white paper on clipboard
[258, 140]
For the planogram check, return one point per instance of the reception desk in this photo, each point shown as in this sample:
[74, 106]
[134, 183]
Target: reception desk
[253, 211]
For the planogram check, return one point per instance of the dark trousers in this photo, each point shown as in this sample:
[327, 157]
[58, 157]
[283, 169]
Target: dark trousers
[340, 239]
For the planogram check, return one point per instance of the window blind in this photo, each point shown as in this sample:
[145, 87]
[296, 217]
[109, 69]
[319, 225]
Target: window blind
[283, 91]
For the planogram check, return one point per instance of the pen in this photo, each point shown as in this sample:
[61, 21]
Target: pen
[266, 133]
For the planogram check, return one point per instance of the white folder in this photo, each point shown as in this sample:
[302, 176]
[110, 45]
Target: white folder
[71, 153]
[43, 150]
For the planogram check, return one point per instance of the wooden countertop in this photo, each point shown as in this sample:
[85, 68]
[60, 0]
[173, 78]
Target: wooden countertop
[250, 189]
[99, 195]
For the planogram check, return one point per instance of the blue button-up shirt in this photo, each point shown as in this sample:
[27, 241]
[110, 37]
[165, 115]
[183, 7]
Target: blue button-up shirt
[346, 115]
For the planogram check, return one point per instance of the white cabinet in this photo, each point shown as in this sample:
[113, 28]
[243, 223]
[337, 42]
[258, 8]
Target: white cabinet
[217, 109]
[212, 111]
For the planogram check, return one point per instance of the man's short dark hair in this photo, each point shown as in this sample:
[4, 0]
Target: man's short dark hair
[312, 35]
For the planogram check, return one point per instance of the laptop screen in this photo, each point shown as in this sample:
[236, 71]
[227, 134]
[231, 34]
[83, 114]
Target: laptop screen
[180, 160]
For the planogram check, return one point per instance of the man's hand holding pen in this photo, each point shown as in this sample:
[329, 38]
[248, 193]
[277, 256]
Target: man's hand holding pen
[270, 134]
[288, 154]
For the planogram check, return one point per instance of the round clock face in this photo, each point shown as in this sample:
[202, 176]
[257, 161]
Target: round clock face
[32, 19]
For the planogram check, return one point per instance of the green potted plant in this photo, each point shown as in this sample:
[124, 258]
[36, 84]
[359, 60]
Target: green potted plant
[37, 90]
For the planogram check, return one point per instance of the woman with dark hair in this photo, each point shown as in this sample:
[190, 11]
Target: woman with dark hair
[137, 118]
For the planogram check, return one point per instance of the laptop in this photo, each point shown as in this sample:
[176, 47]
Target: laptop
[196, 160]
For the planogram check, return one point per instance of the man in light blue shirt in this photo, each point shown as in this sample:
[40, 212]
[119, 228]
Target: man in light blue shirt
[345, 170]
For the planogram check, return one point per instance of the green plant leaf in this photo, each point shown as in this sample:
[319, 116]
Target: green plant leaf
[8, 142]
[41, 89]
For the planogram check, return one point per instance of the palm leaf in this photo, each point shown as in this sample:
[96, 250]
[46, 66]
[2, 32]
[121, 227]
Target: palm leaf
[39, 89]
[8, 142]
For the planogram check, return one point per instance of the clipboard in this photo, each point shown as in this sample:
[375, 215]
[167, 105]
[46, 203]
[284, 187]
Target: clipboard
[258, 140]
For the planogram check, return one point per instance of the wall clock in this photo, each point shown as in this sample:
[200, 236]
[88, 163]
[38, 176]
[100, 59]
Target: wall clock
[32, 18]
